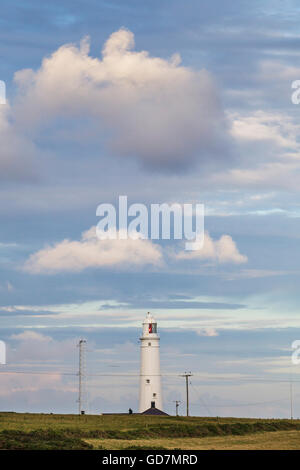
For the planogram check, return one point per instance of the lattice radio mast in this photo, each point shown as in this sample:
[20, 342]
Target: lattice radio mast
[82, 377]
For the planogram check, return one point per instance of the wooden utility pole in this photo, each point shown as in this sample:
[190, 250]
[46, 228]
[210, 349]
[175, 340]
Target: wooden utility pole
[177, 402]
[291, 397]
[187, 375]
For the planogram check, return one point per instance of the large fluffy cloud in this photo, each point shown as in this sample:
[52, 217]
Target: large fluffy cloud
[154, 109]
[17, 152]
[90, 252]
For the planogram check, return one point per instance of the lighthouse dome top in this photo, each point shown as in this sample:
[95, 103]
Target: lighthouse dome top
[149, 318]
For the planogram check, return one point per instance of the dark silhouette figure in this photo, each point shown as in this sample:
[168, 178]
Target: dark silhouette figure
[130, 411]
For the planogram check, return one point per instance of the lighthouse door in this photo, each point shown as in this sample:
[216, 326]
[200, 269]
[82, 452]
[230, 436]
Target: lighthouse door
[153, 404]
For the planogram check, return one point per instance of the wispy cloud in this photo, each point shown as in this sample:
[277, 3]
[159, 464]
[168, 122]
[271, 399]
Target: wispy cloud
[222, 251]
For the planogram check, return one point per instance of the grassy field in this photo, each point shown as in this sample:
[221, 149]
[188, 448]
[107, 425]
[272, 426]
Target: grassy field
[43, 431]
[279, 440]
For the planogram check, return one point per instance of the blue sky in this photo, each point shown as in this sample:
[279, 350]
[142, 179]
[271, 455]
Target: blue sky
[163, 102]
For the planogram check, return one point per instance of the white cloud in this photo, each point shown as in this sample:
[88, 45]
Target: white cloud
[125, 254]
[154, 109]
[207, 332]
[278, 73]
[28, 350]
[7, 286]
[269, 149]
[90, 252]
[283, 175]
[221, 251]
[277, 128]
[31, 336]
[17, 153]
[32, 346]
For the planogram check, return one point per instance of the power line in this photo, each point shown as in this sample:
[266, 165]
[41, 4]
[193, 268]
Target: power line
[206, 379]
[37, 373]
[250, 404]
[201, 399]
[186, 375]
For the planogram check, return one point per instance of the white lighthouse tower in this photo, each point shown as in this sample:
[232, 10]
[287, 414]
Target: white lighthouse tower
[150, 383]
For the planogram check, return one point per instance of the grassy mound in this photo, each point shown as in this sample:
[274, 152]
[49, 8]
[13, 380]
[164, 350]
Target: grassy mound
[187, 430]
